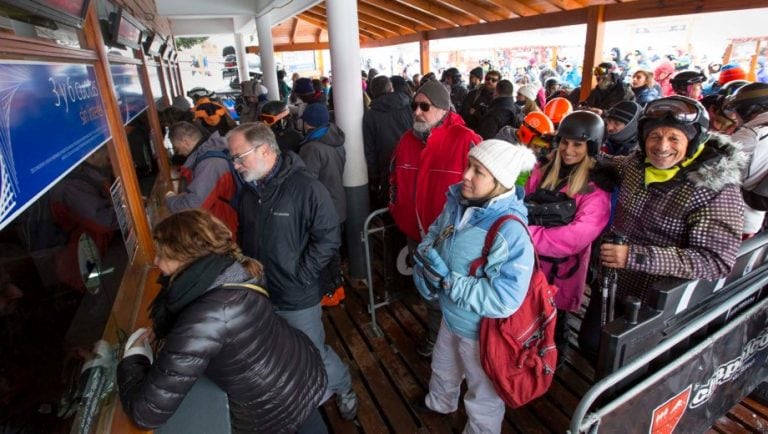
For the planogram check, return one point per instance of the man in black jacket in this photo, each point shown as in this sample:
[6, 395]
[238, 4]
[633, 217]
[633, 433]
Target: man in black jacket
[289, 223]
[475, 105]
[389, 116]
[502, 112]
[610, 89]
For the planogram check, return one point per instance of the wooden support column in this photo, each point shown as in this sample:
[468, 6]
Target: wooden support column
[118, 148]
[593, 48]
[154, 123]
[424, 54]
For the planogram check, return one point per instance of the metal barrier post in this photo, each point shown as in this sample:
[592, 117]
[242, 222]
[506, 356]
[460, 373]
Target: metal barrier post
[372, 305]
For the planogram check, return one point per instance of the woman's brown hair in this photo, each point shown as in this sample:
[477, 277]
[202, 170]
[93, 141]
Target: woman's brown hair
[648, 77]
[191, 234]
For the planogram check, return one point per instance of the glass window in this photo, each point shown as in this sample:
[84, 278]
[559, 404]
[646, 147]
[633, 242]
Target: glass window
[61, 263]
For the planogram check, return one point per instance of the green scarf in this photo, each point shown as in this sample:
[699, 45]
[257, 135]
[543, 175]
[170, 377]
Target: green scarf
[183, 288]
[653, 174]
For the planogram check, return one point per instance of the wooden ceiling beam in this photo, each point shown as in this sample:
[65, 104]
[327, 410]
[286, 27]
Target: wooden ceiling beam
[373, 21]
[482, 12]
[312, 21]
[451, 16]
[393, 26]
[375, 32]
[392, 19]
[534, 22]
[566, 5]
[294, 29]
[407, 12]
[516, 7]
[416, 37]
[654, 8]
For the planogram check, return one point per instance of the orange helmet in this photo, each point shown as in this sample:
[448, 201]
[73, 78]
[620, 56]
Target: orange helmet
[730, 74]
[557, 109]
[535, 124]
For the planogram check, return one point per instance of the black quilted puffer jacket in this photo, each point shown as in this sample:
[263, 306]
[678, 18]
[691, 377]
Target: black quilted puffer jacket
[271, 372]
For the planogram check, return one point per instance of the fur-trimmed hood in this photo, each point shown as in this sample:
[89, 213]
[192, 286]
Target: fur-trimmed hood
[720, 164]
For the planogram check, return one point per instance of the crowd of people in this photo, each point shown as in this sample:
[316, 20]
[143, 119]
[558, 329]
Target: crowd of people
[661, 160]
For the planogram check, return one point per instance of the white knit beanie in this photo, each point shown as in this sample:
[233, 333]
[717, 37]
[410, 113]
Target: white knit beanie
[529, 91]
[504, 160]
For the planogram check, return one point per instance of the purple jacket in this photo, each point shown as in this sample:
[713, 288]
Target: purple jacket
[572, 241]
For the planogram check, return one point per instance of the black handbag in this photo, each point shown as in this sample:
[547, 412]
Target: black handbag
[549, 208]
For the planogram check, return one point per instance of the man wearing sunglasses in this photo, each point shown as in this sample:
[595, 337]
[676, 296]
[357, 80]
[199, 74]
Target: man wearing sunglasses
[477, 102]
[610, 89]
[429, 158]
[679, 206]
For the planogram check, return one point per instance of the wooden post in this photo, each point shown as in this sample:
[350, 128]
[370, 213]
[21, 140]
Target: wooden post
[593, 48]
[424, 55]
[118, 148]
[752, 74]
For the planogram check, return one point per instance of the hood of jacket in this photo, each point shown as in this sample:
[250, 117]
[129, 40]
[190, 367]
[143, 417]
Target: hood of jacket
[332, 136]
[510, 202]
[389, 102]
[719, 165]
[624, 141]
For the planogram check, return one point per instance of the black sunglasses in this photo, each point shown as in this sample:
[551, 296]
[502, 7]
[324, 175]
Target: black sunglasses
[423, 106]
[491, 79]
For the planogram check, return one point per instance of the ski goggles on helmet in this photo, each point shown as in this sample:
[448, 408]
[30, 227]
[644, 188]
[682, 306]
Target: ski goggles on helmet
[680, 109]
[600, 71]
[272, 119]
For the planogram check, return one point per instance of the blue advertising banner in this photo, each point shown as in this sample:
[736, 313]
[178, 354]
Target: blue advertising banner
[52, 117]
[130, 95]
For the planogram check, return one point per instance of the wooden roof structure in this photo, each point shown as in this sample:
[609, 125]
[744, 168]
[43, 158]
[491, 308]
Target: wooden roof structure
[398, 21]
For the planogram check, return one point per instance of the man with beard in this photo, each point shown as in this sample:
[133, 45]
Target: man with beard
[429, 157]
[289, 223]
[610, 89]
[477, 102]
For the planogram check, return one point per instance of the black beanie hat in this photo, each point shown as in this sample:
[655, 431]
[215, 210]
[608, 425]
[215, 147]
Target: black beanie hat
[436, 93]
[477, 72]
[624, 112]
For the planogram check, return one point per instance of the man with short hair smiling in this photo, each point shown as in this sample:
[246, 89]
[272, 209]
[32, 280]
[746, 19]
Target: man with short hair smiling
[679, 206]
[289, 223]
[429, 157]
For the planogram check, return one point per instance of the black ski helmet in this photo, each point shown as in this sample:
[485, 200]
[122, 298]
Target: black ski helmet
[274, 111]
[676, 111]
[453, 73]
[683, 79]
[584, 126]
[748, 100]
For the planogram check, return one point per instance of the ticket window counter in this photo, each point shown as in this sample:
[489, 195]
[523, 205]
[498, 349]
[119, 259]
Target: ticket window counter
[61, 265]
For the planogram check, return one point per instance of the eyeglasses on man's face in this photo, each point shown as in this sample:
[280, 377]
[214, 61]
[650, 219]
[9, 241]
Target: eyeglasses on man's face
[491, 79]
[239, 158]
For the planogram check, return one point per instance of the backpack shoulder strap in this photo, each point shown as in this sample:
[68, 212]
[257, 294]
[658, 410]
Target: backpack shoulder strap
[491, 235]
[249, 286]
[213, 153]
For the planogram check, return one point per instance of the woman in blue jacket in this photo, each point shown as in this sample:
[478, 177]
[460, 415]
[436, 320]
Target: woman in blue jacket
[443, 258]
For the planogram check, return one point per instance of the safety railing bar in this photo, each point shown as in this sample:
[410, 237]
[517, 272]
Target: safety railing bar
[760, 279]
[634, 391]
[369, 268]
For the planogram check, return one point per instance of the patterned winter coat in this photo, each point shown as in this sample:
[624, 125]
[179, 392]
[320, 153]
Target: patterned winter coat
[688, 227]
[572, 242]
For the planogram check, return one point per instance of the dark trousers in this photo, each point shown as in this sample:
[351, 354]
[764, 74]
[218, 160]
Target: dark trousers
[313, 425]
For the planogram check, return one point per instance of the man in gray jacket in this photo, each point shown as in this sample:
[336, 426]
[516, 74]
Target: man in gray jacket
[210, 183]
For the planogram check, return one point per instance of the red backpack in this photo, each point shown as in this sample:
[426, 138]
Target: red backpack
[518, 352]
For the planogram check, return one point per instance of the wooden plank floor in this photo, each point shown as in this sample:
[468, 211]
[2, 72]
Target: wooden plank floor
[388, 375]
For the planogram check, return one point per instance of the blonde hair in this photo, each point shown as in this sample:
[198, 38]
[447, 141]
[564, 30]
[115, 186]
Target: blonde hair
[578, 180]
[191, 234]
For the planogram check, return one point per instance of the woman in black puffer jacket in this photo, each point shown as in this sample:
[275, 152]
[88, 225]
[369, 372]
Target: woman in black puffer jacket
[214, 319]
